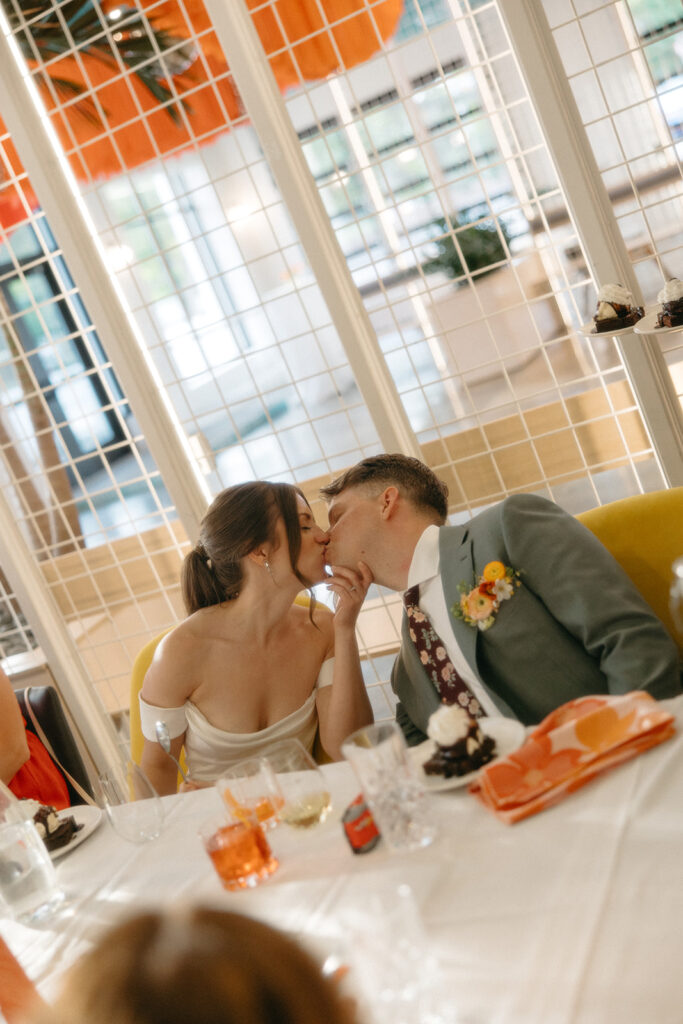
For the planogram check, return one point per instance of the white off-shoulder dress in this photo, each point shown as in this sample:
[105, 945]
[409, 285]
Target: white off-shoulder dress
[209, 750]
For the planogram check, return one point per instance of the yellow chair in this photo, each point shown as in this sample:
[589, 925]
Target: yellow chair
[645, 535]
[143, 660]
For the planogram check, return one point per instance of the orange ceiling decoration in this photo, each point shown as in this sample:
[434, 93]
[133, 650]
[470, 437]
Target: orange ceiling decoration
[140, 126]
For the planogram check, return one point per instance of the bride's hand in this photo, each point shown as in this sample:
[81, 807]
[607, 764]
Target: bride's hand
[350, 587]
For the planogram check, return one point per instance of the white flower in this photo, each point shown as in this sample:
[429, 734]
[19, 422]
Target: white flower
[503, 589]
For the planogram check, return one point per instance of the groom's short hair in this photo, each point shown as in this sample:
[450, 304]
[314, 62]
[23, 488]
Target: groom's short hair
[413, 478]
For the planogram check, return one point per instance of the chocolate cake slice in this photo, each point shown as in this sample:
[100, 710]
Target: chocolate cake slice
[53, 830]
[461, 746]
[616, 309]
[671, 298]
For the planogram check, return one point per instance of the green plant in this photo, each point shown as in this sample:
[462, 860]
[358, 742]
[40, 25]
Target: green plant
[480, 245]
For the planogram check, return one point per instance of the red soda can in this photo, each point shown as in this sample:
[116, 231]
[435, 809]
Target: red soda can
[359, 826]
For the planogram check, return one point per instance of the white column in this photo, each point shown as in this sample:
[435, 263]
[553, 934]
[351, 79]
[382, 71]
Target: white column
[591, 209]
[53, 183]
[268, 113]
[56, 643]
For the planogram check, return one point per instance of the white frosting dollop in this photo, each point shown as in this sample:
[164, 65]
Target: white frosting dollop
[448, 725]
[27, 809]
[614, 293]
[671, 291]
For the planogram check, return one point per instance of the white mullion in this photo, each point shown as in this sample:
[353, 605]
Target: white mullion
[50, 177]
[61, 653]
[268, 113]
[595, 221]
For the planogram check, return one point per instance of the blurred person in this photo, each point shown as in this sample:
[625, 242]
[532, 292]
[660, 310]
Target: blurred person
[516, 612]
[200, 966]
[25, 765]
[249, 666]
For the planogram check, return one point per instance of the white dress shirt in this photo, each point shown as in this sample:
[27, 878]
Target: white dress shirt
[424, 570]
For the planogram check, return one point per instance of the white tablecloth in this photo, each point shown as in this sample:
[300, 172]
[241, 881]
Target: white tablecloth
[574, 916]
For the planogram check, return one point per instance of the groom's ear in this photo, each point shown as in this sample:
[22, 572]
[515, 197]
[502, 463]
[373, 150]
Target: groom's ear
[389, 499]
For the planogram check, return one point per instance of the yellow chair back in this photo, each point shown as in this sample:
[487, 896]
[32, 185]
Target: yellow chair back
[142, 662]
[645, 535]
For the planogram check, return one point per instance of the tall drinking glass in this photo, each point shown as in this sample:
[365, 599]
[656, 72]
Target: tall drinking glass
[28, 883]
[306, 796]
[400, 807]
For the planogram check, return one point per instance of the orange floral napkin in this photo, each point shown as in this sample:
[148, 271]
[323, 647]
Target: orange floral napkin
[571, 745]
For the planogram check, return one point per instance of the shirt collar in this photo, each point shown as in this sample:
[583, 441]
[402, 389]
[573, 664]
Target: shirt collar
[425, 563]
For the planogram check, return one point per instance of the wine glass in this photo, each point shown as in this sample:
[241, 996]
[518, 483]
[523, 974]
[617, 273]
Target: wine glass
[304, 790]
[132, 804]
[250, 786]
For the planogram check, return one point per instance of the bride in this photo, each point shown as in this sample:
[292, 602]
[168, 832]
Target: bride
[248, 666]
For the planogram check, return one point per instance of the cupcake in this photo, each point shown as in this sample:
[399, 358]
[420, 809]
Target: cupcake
[461, 746]
[616, 309]
[671, 298]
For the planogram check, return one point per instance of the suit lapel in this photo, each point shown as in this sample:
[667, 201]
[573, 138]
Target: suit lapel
[456, 565]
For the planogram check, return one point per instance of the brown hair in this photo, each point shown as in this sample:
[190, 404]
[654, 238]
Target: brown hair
[205, 966]
[413, 478]
[237, 521]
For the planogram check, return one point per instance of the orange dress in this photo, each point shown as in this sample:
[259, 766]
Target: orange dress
[40, 778]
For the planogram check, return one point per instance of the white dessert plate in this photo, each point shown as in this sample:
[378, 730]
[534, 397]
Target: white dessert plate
[588, 330]
[508, 734]
[647, 325]
[87, 816]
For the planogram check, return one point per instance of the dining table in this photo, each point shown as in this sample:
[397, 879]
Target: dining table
[572, 916]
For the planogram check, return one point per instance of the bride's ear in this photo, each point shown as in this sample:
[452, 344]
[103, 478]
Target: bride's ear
[259, 555]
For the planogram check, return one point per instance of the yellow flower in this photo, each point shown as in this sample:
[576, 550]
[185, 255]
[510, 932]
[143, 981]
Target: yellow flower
[493, 571]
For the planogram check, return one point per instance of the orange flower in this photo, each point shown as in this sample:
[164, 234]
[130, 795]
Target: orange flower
[493, 571]
[479, 606]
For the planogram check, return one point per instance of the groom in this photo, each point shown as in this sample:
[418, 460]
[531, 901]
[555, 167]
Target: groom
[516, 612]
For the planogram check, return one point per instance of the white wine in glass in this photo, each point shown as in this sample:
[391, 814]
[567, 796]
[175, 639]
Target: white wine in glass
[304, 789]
[309, 809]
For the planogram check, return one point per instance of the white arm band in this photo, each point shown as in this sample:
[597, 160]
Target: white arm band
[326, 674]
[175, 719]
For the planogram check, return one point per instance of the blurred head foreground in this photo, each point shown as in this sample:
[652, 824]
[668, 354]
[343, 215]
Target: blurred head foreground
[198, 967]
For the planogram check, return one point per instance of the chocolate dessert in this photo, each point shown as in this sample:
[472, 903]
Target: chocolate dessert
[461, 746]
[616, 309]
[671, 298]
[53, 830]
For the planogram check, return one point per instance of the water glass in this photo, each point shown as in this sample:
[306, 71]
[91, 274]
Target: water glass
[238, 849]
[395, 795]
[132, 804]
[250, 786]
[28, 883]
[306, 797]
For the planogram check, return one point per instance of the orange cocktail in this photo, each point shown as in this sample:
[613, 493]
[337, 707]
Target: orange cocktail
[249, 788]
[240, 854]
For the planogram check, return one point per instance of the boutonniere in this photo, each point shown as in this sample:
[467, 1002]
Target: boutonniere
[478, 606]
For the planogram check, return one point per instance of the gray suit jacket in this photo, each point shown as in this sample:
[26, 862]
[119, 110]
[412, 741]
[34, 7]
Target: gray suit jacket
[575, 626]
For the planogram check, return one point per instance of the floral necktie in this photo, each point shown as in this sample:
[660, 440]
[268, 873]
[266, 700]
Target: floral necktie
[431, 650]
